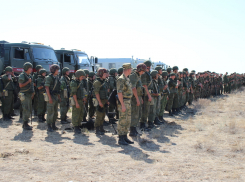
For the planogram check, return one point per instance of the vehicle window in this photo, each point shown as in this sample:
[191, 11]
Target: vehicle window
[19, 53]
[67, 58]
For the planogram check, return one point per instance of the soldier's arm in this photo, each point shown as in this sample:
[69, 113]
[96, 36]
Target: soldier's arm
[21, 82]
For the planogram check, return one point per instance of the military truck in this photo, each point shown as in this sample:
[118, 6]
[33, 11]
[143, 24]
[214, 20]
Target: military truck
[16, 54]
[75, 59]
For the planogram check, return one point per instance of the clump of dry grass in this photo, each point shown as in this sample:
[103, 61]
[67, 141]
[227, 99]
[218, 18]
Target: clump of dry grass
[237, 146]
[205, 145]
[5, 154]
[22, 151]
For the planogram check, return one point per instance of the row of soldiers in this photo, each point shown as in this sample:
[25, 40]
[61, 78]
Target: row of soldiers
[136, 97]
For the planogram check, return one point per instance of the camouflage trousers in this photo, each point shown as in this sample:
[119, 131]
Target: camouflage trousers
[183, 98]
[8, 103]
[187, 96]
[158, 106]
[145, 109]
[77, 113]
[26, 107]
[91, 107]
[170, 101]
[180, 94]
[124, 117]
[63, 108]
[135, 112]
[52, 109]
[190, 98]
[42, 105]
[153, 109]
[163, 104]
[100, 115]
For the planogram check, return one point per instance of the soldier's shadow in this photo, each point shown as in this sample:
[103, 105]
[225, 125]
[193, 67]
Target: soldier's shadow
[5, 124]
[82, 139]
[136, 154]
[24, 136]
[107, 140]
[55, 137]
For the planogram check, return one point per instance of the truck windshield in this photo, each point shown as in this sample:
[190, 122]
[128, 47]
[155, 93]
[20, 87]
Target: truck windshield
[44, 54]
[83, 60]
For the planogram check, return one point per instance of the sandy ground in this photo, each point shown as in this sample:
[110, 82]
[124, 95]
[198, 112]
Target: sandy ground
[204, 143]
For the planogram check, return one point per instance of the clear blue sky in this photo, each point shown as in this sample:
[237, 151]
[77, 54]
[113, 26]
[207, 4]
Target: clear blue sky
[198, 34]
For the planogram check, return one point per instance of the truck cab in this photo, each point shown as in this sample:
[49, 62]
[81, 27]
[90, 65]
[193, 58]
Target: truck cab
[74, 59]
[16, 54]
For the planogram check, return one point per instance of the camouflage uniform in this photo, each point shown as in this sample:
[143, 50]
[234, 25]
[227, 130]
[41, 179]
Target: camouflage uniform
[164, 96]
[35, 99]
[171, 84]
[42, 105]
[28, 91]
[64, 104]
[53, 83]
[112, 85]
[124, 87]
[91, 96]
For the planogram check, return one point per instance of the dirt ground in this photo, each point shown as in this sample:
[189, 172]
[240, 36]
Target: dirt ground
[204, 143]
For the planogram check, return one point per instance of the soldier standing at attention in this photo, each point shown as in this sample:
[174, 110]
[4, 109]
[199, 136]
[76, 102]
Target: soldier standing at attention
[52, 86]
[91, 78]
[85, 85]
[26, 93]
[153, 106]
[175, 107]
[8, 80]
[42, 105]
[172, 87]
[65, 94]
[112, 82]
[124, 91]
[35, 100]
[136, 99]
[79, 95]
[101, 93]
[147, 84]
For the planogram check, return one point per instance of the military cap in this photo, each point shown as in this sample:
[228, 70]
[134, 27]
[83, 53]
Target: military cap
[54, 67]
[42, 71]
[27, 65]
[79, 73]
[86, 71]
[169, 69]
[38, 67]
[164, 73]
[172, 74]
[154, 73]
[112, 71]
[64, 70]
[185, 69]
[180, 72]
[175, 68]
[148, 63]
[158, 68]
[193, 71]
[120, 70]
[91, 74]
[126, 66]
[8, 69]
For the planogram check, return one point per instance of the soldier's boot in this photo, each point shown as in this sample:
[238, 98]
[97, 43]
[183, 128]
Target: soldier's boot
[157, 121]
[98, 132]
[133, 132]
[63, 122]
[54, 127]
[84, 119]
[50, 129]
[43, 118]
[40, 119]
[174, 112]
[151, 124]
[103, 130]
[77, 130]
[26, 126]
[162, 120]
[5, 117]
[178, 110]
[121, 140]
[170, 113]
[144, 128]
[127, 140]
[9, 116]
[20, 115]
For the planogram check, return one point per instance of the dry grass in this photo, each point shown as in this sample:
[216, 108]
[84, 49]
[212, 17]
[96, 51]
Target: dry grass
[204, 143]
